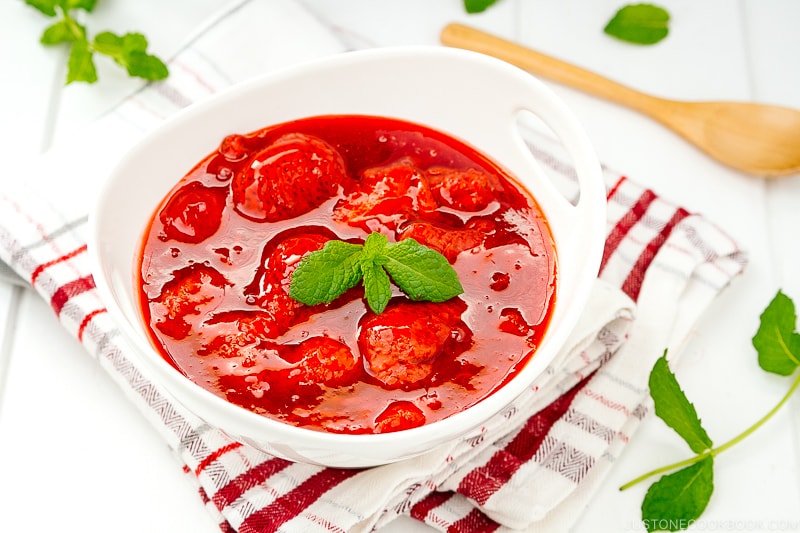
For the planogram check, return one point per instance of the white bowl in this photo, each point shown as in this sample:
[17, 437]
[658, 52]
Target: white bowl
[471, 97]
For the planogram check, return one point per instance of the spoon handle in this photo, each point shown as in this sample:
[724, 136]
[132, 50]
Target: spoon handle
[763, 140]
[461, 36]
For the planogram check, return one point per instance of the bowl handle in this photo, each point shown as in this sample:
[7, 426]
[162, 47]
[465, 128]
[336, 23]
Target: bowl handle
[586, 214]
[581, 223]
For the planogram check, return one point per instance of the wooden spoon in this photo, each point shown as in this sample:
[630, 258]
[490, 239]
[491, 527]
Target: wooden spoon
[757, 139]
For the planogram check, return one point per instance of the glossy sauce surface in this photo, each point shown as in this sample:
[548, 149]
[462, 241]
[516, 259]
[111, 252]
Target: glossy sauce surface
[217, 259]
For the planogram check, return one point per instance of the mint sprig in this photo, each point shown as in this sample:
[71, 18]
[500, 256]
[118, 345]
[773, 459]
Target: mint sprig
[679, 498]
[128, 50]
[420, 272]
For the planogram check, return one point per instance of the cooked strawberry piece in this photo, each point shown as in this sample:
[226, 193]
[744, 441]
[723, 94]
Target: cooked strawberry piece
[270, 286]
[447, 241]
[324, 360]
[234, 345]
[193, 213]
[239, 327]
[467, 190]
[191, 291]
[398, 416]
[233, 147]
[387, 195]
[288, 178]
[280, 258]
[288, 253]
[401, 344]
[284, 310]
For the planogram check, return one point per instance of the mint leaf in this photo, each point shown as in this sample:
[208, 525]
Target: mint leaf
[639, 24]
[674, 408]
[377, 287]
[478, 6]
[80, 66]
[324, 275]
[60, 32]
[421, 273]
[46, 7]
[146, 66]
[676, 500]
[777, 342]
[133, 42]
[86, 5]
[109, 44]
[374, 246]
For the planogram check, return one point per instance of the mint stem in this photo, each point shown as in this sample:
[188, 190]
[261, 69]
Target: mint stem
[721, 448]
[74, 28]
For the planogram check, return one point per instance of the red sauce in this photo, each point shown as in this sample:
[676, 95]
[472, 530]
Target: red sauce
[217, 260]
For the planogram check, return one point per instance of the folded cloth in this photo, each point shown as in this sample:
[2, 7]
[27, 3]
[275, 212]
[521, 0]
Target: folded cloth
[532, 467]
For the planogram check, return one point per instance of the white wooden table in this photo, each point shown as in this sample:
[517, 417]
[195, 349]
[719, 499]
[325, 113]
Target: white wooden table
[75, 454]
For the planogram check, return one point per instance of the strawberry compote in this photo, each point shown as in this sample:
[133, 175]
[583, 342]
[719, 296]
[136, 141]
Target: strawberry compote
[218, 256]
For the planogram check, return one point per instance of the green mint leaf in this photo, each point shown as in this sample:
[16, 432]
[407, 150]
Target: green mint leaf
[146, 66]
[777, 342]
[324, 275]
[134, 42]
[421, 272]
[57, 33]
[46, 7]
[80, 66]
[478, 6]
[676, 500]
[639, 24]
[674, 408]
[109, 44]
[374, 247]
[377, 287]
[86, 5]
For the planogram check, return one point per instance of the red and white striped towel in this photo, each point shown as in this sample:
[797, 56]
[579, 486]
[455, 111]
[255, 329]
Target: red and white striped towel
[532, 467]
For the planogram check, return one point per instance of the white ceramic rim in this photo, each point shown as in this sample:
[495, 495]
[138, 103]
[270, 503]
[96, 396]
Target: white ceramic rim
[587, 238]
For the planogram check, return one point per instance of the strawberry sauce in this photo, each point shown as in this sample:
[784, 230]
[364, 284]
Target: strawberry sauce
[218, 256]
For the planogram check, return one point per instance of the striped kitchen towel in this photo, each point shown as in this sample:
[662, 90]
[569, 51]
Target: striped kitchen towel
[532, 467]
